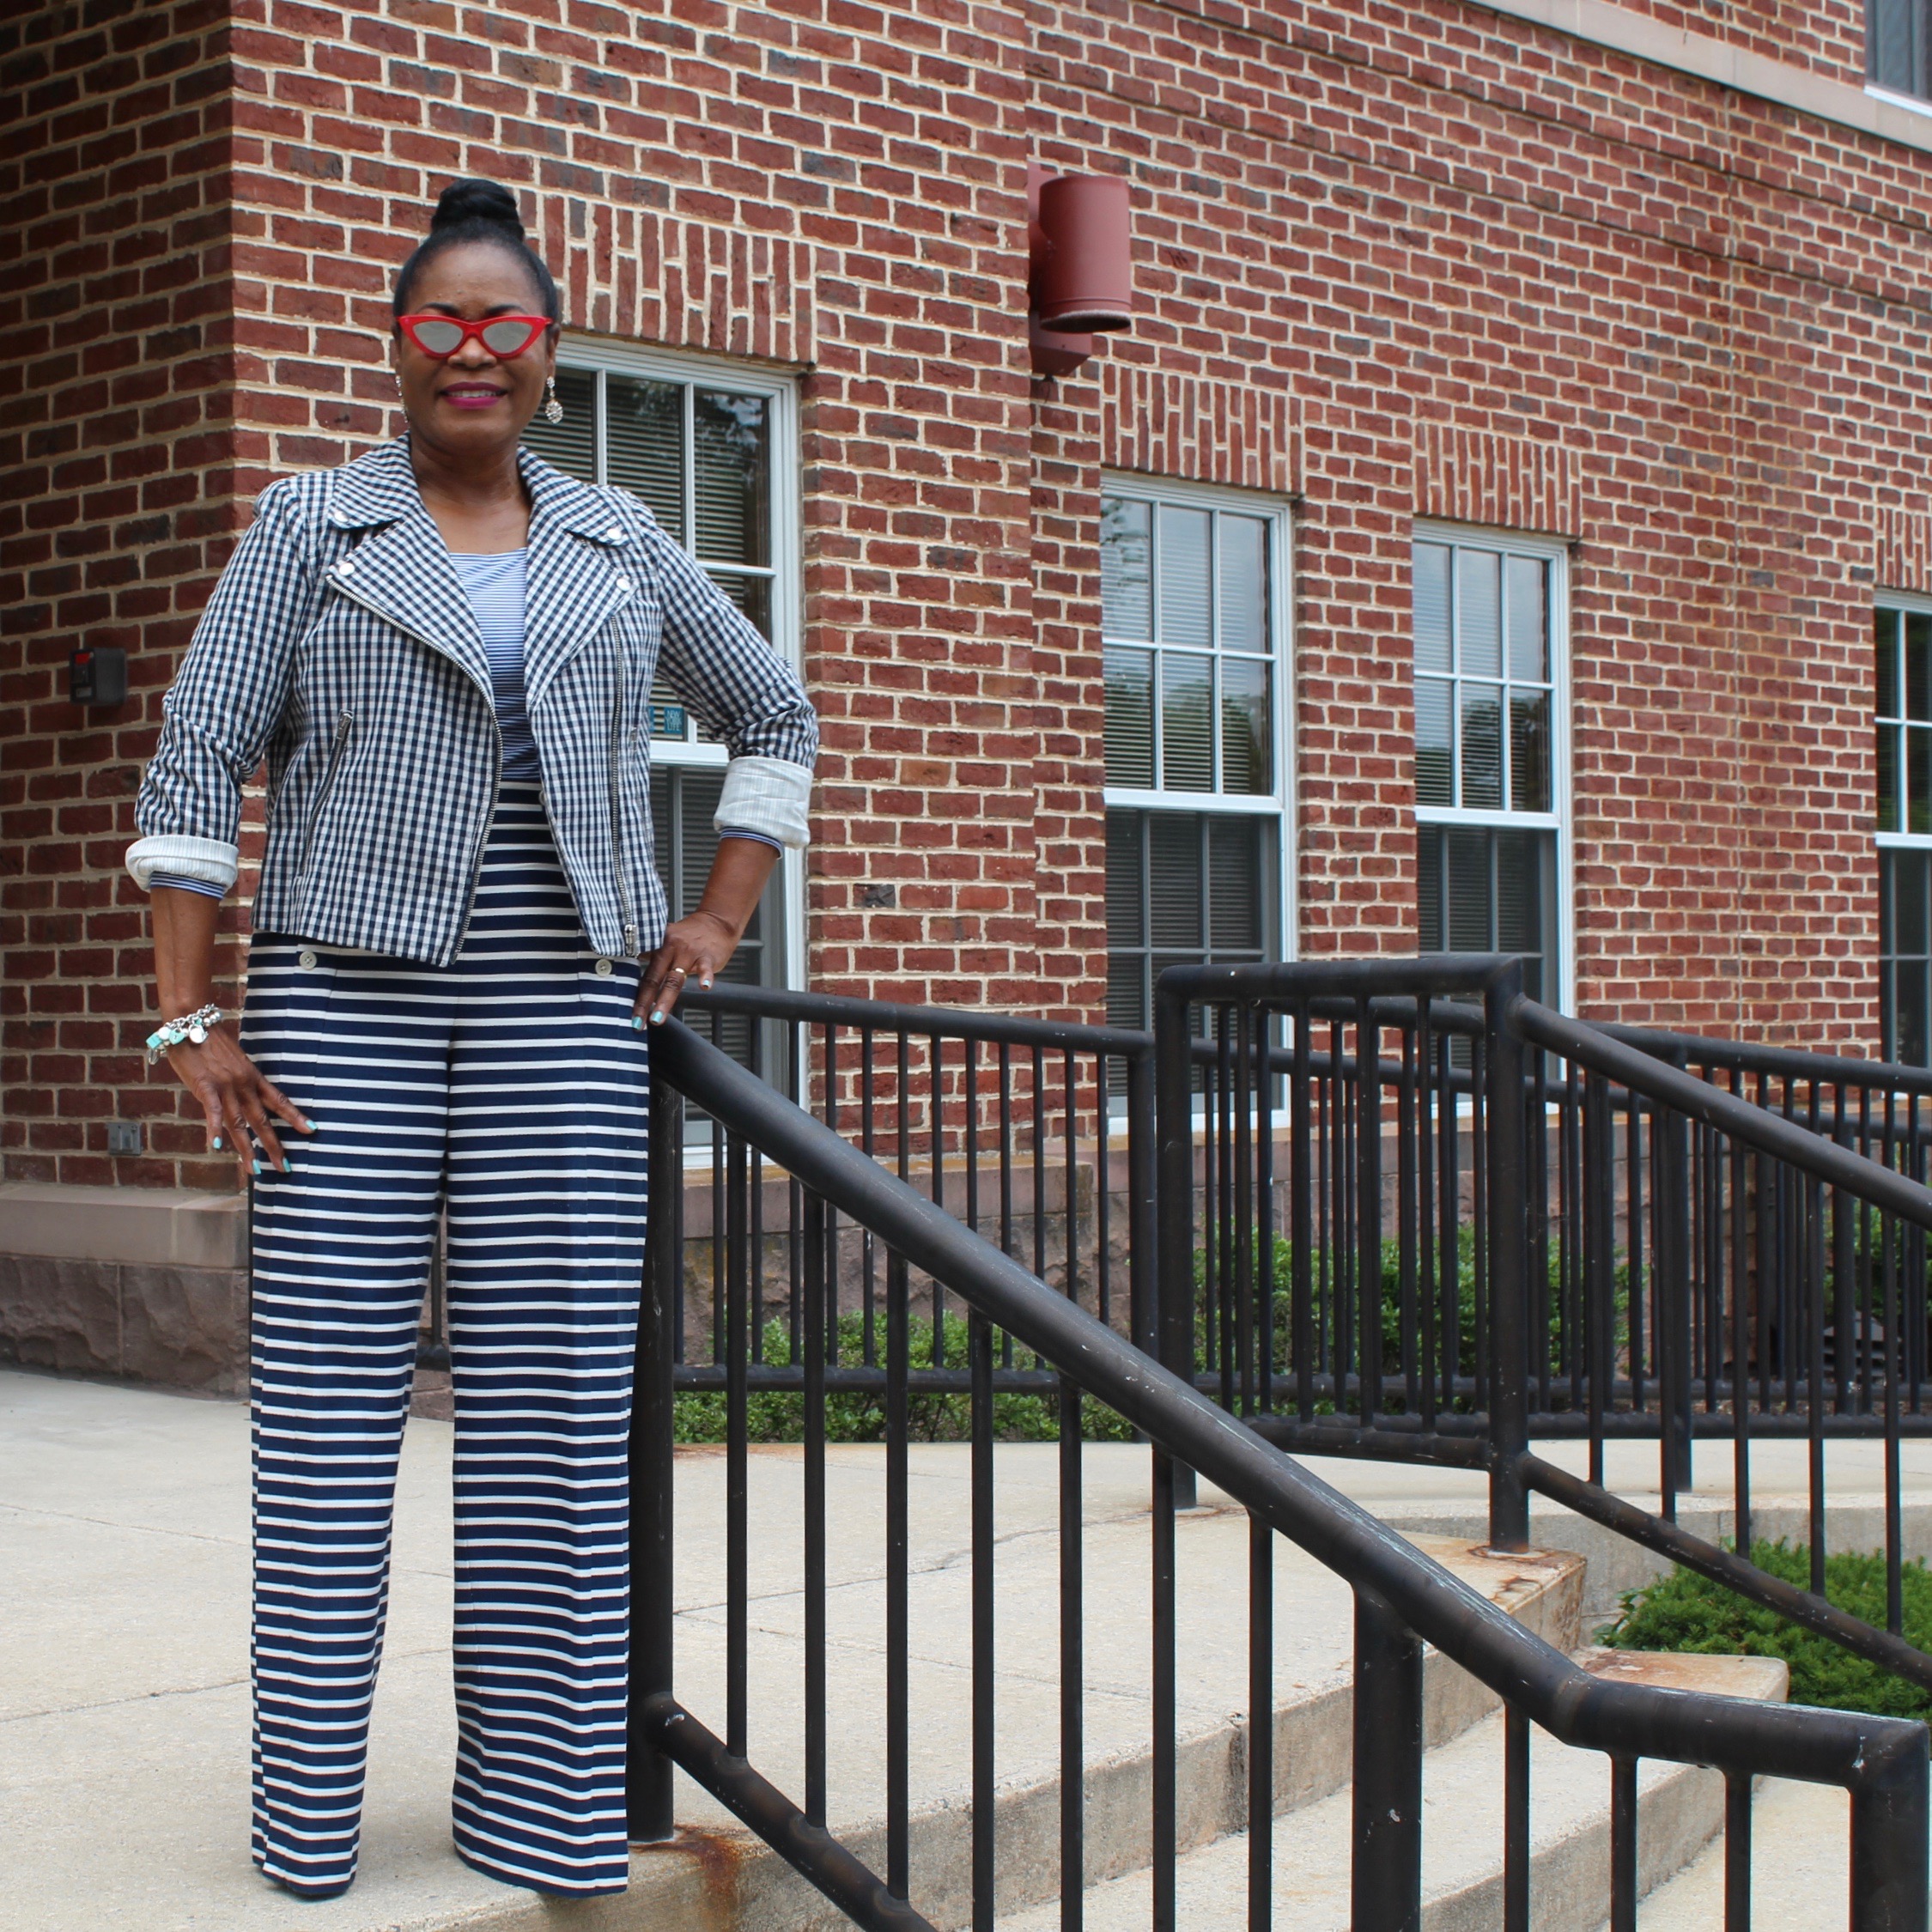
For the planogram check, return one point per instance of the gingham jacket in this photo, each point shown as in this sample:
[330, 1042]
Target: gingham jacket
[339, 643]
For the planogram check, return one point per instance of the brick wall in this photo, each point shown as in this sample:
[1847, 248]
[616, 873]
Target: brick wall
[1427, 263]
[116, 509]
[1513, 279]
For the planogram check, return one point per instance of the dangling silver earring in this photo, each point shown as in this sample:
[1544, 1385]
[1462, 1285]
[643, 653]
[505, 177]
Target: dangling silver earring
[553, 409]
[396, 377]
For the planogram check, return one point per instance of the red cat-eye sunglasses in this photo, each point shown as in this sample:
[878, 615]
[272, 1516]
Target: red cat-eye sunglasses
[505, 337]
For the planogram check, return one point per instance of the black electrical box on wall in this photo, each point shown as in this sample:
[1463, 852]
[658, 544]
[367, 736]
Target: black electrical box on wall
[97, 675]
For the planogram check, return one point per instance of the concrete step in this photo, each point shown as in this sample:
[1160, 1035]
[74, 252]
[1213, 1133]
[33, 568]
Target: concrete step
[1801, 1861]
[1680, 1808]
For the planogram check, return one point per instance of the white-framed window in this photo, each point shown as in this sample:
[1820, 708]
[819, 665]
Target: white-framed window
[1898, 47]
[1491, 632]
[1902, 641]
[1194, 620]
[711, 446]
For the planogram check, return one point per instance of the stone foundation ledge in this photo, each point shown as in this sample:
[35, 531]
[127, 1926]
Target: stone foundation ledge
[148, 1284]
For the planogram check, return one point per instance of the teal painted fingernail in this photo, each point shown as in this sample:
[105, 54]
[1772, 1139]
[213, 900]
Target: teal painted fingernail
[657, 1019]
[254, 1167]
[637, 1021]
[217, 1143]
[286, 1169]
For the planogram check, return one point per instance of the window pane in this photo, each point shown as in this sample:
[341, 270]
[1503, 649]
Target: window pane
[1528, 602]
[1130, 716]
[1908, 1006]
[1243, 558]
[1234, 886]
[1885, 635]
[1482, 745]
[1247, 738]
[1186, 722]
[570, 445]
[1429, 889]
[1470, 922]
[1908, 937]
[731, 460]
[1888, 778]
[1529, 751]
[1918, 665]
[1126, 992]
[1174, 882]
[1187, 616]
[644, 441]
[1434, 749]
[1432, 607]
[1919, 779]
[1478, 614]
[1126, 920]
[1126, 578]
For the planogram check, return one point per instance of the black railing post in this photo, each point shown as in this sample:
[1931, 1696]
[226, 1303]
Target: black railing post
[1670, 1143]
[1386, 1889]
[1890, 1822]
[1509, 1272]
[648, 1784]
[1143, 1205]
[1174, 1282]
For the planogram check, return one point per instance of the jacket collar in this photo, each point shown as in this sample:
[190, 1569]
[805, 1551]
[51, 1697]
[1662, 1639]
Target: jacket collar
[400, 569]
[380, 487]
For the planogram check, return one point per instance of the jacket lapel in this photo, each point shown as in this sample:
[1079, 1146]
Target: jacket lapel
[400, 570]
[576, 573]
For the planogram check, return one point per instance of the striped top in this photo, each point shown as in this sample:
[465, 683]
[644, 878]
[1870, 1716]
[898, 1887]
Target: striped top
[493, 586]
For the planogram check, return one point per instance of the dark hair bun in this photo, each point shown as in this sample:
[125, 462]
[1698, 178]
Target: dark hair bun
[477, 201]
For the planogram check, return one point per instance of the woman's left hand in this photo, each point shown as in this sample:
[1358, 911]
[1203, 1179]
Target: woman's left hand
[695, 951]
[699, 947]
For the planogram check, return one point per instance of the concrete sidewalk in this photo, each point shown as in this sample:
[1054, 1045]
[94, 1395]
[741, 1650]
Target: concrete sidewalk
[124, 1715]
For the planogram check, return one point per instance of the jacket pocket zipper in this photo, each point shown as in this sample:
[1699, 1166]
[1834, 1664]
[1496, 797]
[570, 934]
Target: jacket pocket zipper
[328, 774]
[625, 917]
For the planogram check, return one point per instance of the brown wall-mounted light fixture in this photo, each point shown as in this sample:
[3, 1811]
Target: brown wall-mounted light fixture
[1081, 265]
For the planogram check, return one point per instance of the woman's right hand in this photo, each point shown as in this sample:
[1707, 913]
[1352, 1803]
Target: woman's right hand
[237, 1100]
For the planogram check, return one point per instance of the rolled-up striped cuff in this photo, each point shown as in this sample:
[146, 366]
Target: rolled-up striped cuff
[206, 887]
[744, 832]
[214, 860]
[769, 796]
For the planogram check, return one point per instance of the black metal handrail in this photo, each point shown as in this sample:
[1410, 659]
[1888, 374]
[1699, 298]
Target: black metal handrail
[1402, 1596]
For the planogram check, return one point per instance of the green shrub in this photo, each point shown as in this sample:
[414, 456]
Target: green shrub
[859, 1415]
[1687, 1612]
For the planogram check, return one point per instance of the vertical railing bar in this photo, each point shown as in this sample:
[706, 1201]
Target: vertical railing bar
[1261, 1725]
[1246, 1092]
[1411, 1365]
[898, 1617]
[869, 1251]
[979, 1344]
[1165, 1810]
[737, 1492]
[1301, 1217]
[1623, 1844]
[817, 1261]
[1516, 1821]
[1737, 1852]
[1072, 1652]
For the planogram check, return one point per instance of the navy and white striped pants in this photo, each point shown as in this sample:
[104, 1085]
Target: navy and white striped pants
[512, 1085]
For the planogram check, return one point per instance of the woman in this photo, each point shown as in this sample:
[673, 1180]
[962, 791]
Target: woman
[445, 650]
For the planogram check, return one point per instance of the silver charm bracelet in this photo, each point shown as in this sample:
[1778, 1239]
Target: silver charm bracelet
[192, 1027]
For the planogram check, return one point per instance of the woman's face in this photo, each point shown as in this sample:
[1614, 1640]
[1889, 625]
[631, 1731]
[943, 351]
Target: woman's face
[474, 407]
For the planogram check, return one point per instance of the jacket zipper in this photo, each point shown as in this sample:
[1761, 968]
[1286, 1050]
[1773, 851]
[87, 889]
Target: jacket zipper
[624, 918]
[330, 772]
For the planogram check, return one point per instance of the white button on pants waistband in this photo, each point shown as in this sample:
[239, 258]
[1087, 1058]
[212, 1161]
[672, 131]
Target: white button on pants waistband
[604, 969]
[306, 959]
